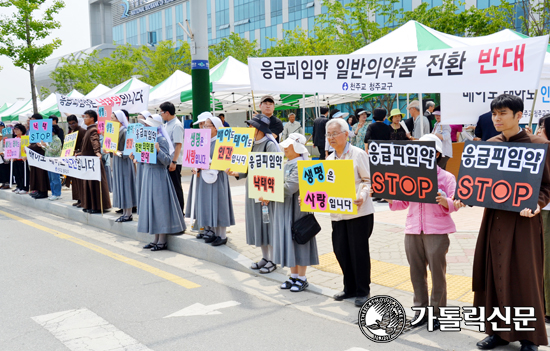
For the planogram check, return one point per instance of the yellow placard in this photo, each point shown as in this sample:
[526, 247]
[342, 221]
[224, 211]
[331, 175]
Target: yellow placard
[232, 148]
[327, 186]
[266, 176]
[69, 145]
[110, 139]
[25, 142]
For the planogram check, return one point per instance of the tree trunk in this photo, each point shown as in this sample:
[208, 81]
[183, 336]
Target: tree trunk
[31, 69]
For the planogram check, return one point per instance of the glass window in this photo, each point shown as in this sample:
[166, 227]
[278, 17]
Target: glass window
[179, 19]
[143, 30]
[168, 23]
[118, 34]
[131, 32]
[155, 25]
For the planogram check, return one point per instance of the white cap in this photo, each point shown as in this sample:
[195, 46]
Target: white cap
[216, 121]
[431, 137]
[203, 117]
[298, 141]
[340, 115]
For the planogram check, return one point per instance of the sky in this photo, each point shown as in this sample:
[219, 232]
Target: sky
[74, 34]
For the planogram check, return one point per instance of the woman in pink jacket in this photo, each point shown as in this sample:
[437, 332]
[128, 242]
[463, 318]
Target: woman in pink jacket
[427, 240]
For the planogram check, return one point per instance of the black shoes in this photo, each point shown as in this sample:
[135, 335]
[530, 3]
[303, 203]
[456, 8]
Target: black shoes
[159, 247]
[124, 219]
[219, 241]
[210, 239]
[149, 246]
[200, 236]
[342, 295]
[423, 321]
[527, 345]
[360, 301]
[491, 342]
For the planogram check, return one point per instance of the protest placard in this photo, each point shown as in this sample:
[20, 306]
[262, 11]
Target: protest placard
[81, 167]
[110, 138]
[69, 145]
[232, 149]
[40, 130]
[103, 115]
[129, 146]
[196, 148]
[133, 101]
[144, 149]
[404, 170]
[266, 176]
[503, 176]
[7, 132]
[12, 149]
[327, 186]
[489, 66]
[24, 144]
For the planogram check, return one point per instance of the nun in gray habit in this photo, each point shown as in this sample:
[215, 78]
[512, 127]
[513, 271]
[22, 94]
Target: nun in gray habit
[286, 251]
[259, 233]
[124, 175]
[139, 166]
[215, 208]
[160, 212]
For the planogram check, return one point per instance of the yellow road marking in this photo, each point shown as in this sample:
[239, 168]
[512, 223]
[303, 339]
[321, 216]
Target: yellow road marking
[145, 267]
[396, 276]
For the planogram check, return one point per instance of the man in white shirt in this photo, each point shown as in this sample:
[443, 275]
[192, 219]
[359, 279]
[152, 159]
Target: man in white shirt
[421, 123]
[291, 127]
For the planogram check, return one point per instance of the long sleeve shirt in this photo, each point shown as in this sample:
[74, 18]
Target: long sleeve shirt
[53, 149]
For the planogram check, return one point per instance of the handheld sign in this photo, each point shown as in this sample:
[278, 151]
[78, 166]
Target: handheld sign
[131, 138]
[24, 144]
[7, 132]
[145, 151]
[266, 176]
[12, 149]
[503, 176]
[196, 148]
[110, 140]
[404, 170]
[327, 186]
[69, 145]
[103, 115]
[232, 149]
[40, 130]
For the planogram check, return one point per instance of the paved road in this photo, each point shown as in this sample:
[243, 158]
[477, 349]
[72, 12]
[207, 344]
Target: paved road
[67, 286]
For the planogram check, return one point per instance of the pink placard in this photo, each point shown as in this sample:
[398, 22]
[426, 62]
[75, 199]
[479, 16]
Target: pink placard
[196, 148]
[12, 149]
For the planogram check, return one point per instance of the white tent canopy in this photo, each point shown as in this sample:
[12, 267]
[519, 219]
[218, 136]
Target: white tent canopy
[172, 86]
[98, 91]
[130, 84]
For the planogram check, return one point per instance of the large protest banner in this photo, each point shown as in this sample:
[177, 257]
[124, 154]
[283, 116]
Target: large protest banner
[130, 144]
[466, 107]
[40, 130]
[110, 138]
[69, 145]
[12, 149]
[503, 176]
[404, 170]
[144, 148]
[266, 176]
[81, 167]
[232, 148]
[487, 67]
[103, 115]
[133, 101]
[25, 142]
[196, 148]
[327, 186]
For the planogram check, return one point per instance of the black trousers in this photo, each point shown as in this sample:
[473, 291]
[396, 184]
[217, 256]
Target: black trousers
[175, 176]
[4, 172]
[321, 152]
[19, 170]
[350, 241]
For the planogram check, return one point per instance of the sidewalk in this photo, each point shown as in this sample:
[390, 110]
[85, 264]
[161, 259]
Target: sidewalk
[390, 270]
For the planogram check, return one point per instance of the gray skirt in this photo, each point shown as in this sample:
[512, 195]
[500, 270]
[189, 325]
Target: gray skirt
[124, 182]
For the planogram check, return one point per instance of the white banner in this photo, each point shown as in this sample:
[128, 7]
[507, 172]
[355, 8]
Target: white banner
[134, 101]
[485, 67]
[466, 107]
[81, 167]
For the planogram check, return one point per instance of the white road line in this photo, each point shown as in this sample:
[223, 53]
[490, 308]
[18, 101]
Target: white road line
[198, 309]
[83, 330]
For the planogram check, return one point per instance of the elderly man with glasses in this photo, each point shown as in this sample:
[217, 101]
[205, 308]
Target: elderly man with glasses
[351, 233]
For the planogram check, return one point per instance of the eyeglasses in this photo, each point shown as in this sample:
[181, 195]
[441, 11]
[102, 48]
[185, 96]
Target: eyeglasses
[333, 135]
[161, 112]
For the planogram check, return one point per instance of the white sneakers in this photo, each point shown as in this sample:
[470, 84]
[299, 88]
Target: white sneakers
[21, 192]
[54, 198]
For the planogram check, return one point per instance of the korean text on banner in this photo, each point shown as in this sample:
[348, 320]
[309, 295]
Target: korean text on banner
[266, 176]
[12, 149]
[232, 149]
[69, 145]
[404, 170]
[466, 107]
[327, 186]
[503, 176]
[133, 101]
[103, 115]
[40, 130]
[81, 167]
[110, 140]
[145, 151]
[486, 67]
[25, 142]
[196, 148]
[131, 138]
[7, 132]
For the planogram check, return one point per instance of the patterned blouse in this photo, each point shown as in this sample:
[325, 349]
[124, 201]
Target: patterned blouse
[359, 139]
[53, 149]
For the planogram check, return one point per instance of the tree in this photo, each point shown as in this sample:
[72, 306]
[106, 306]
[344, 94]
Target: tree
[536, 18]
[22, 35]
[158, 63]
[233, 45]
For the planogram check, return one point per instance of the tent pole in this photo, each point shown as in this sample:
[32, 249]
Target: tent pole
[304, 112]
[407, 105]
[213, 104]
[421, 114]
[253, 101]
[533, 110]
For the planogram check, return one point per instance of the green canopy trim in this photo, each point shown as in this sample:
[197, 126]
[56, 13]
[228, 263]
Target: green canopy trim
[428, 41]
[126, 87]
[4, 108]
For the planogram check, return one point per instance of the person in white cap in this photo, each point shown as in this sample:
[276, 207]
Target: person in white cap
[215, 208]
[124, 176]
[421, 124]
[427, 240]
[159, 214]
[286, 251]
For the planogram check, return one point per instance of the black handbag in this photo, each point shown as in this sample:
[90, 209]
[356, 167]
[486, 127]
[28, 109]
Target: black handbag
[304, 229]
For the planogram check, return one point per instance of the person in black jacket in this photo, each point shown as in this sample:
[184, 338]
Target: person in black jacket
[319, 132]
[378, 130]
[267, 106]
[485, 129]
